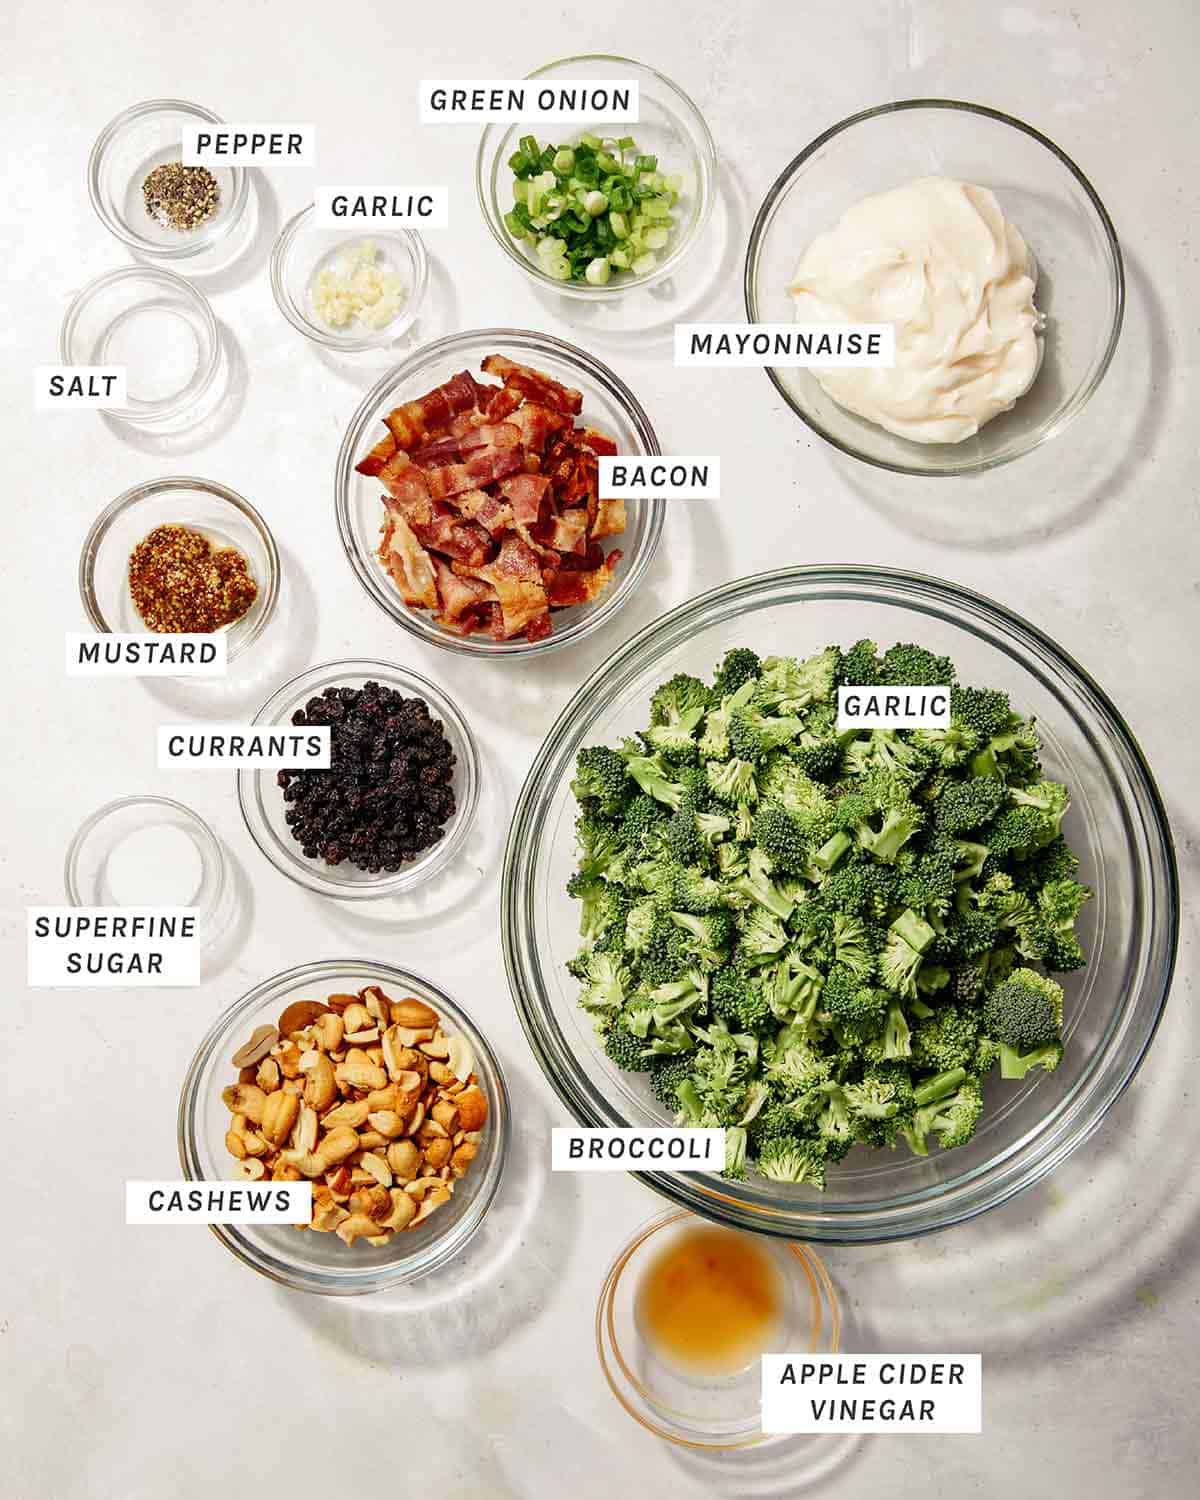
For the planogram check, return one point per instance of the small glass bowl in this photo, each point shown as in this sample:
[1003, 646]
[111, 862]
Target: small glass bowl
[304, 248]
[224, 517]
[694, 1411]
[86, 868]
[263, 807]
[321, 1263]
[670, 127]
[1081, 278]
[608, 404]
[159, 327]
[130, 146]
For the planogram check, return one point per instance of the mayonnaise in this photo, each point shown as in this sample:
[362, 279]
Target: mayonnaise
[937, 259]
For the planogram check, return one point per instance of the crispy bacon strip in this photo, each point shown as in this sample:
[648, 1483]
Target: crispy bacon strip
[408, 563]
[406, 484]
[446, 449]
[459, 596]
[463, 540]
[378, 456]
[482, 467]
[537, 425]
[571, 586]
[493, 514]
[517, 579]
[598, 442]
[535, 386]
[565, 533]
[409, 423]
[525, 493]
[610, 519]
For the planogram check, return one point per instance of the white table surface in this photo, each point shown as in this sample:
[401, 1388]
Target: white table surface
[143, 1363]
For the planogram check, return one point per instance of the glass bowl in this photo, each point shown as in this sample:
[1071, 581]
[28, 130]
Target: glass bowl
[304, 248]
[608, 404]
[670, 127]
[159, 327]
[130, 146]
[263, 806]
[1116, 825]
[86, 873]
[695, 1411]
[224, 517]
[1081, 279]
[309, 1261]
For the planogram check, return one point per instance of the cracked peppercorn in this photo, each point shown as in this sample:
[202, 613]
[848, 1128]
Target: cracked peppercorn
[387, 795]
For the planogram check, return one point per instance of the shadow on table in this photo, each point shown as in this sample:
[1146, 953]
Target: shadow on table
[784, 1466]
[1061, 485]
[499, 1284]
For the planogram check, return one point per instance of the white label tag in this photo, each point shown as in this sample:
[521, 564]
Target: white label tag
[82, 387]
[247, 145]
[668, 478]
[127, 654]
[816, 346]
[218, 1202]
[245, 747]
[534, 101]
[349, 207]
[893, 708]
[113, 947]
[637, 1149]
[872, 1393]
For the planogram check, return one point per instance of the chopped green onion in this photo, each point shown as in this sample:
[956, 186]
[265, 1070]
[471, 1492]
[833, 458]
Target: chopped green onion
[626, 143]
[644, 263]
[597, 272]
[564, 160]
[593, 141]
[595, 203]
[619, 225]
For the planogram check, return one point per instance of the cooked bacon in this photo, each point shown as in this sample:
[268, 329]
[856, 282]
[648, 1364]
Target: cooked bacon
[378, 456]
[598, 442]
[570, 586]
[492, 509]
[534, 385]
[408, 563]
[484, 466]
[445, 450]
[610, 519]
[517, 580]
[526, 494]
[411, 422]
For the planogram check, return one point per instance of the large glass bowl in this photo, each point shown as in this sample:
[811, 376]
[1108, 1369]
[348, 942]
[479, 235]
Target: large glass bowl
[1081, 279]
[670, 127]
[608, 404]
[309, 1261]
[1116, 824]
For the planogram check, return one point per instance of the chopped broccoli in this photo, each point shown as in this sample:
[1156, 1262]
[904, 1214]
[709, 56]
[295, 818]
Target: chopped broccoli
[600, 780]
[626, 1050]
[1024, 1012]
[740, 665]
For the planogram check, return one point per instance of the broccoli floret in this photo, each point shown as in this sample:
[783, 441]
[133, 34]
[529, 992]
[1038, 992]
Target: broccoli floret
[1058, 905]
[1015, 1065]
[732, 781]
[788, 686]
[737, 1000]
[1018, 833]
[707, 939]
[906, 665]
[674, 742]
[885, 750]
[1054, 862]
[967, 805]
[643, 822]
[605, 984]
[599, 846]
[926, 881]
[909, 936]
[881, 1103]
[794, 1161]
[819, 759]
[947, 747]
[859, 667]
[898, 826]
[858, 1010]
[624, 1049]
[682, 698]
[952, 1119]
[682, 834]
[1011, 755]
[781, 837]
[946, 1040]
[1025, 1011]
[861, 887]
[984, 710]
[792, 989]
[793, 1065]
[761, 937]
[652, 774]
[739, 666]
[600, 780]
[666, 1074]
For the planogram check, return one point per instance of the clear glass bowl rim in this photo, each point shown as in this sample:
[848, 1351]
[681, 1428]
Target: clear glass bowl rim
[366, 569]
[1081, 397]
[439, 1249]
[284, 243]
[102, 523]
[148, 413]
[194, 243]
[823, 1296]
[308, 873]
[927, 1213]
[706, 150]
[210, 843]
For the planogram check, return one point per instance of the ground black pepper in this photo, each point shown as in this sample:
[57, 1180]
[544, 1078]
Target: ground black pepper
[180, 197]
[387, 795]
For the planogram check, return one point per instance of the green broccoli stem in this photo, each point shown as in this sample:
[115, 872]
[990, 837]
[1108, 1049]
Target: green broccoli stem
[940, 1086]
[915, 931]
[831, 851]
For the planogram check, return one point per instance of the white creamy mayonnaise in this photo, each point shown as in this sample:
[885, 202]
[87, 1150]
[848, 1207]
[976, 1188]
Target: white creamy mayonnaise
[939, 260]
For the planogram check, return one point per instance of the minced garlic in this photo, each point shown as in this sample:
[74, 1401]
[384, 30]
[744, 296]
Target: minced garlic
[357, 287]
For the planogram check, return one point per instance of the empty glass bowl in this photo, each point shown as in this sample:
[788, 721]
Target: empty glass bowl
[222, 515]
[160, 328]
[304, 249]
[1081, 279]
[304, 1259]
[608, 404]
[131, 146]
[670, 127]
[1116, 825]
[263, 807]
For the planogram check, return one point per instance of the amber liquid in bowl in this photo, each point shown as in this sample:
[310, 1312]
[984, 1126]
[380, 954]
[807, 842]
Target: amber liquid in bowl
[711, 1301]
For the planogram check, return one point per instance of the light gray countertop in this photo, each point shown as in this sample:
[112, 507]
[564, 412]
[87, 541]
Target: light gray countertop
[144, 1363]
